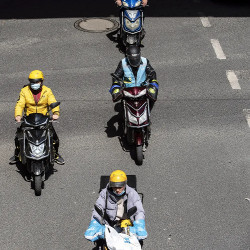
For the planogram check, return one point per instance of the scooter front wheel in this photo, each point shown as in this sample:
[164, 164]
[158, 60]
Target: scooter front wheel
[38, 184]
[139, 155]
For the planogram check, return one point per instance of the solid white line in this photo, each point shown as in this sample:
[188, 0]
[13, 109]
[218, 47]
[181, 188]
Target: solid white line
[205, 22]
[233, 80]
[217, 49]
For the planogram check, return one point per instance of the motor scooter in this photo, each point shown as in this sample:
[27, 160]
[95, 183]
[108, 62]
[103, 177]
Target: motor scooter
[131, 22]
[36, 147]
[118, 237]
[136, 126]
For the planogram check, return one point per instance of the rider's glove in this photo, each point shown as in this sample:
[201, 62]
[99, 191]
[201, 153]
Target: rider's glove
[116, 93]
[153, 90]
[139, 229]
[95, 231]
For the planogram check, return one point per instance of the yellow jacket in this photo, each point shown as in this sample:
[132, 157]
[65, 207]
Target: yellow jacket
[26, 102]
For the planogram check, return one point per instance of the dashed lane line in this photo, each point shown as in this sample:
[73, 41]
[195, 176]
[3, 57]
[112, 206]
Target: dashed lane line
[233, 79]
[204, 20]
[218, 49]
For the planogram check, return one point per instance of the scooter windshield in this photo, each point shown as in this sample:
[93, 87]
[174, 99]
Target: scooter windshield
[36, 136]
[36, 119]
[131, 3]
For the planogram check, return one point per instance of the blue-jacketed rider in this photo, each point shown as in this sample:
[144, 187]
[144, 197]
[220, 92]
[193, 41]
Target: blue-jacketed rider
[115, 200]
[135, 71]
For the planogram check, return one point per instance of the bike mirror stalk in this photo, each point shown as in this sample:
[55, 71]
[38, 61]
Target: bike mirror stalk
[98, 210]
[132, 211]
[54, 104]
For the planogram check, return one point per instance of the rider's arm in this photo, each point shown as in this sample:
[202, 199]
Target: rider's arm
[96, 229]
[20, 105]
[119, 73]
[140, 214]
[153, 83]
[151, 74]
[52, 99]
[116, 86]
[101, 204]
[118, 2]
[144, 2]
[139, 222]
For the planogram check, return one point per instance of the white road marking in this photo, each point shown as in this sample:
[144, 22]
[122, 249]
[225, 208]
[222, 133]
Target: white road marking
[246, 112]
[233, 80]
[196, 1]
[205, 22]
[217, 49]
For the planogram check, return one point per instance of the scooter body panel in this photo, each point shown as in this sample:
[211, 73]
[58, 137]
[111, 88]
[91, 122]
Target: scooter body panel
[137, 113]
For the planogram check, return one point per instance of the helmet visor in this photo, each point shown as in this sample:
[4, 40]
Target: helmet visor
[134, 59]
[35, 80]
[117, 184]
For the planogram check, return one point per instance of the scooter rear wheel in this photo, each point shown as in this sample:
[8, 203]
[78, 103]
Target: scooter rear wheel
[38, 184]
[139, 155]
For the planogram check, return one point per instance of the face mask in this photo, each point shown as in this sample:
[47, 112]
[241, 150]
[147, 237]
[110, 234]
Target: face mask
[120, 193]
[35, 86]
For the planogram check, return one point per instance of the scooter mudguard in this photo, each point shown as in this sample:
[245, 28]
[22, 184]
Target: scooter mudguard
[138, 138]
[37, 168]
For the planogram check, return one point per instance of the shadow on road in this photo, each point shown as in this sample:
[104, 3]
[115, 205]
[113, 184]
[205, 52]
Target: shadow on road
[115, 129]
[22, 170]
[114, 37]
[27, 9]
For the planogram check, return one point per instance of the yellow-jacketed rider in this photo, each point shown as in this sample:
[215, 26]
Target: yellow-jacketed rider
[35, 98]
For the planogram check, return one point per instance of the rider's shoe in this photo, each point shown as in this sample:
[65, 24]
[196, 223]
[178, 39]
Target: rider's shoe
[58, 159]
[14, 159]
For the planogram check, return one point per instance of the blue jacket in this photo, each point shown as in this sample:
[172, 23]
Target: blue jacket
[129, 79]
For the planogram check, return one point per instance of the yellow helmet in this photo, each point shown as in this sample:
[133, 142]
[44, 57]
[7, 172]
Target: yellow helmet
[36, 76]
[117, 179]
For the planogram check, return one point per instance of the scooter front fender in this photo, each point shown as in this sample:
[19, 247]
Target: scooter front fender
[37, 168]
[138, 138]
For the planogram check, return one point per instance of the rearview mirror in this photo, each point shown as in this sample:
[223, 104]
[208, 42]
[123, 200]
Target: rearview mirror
[132, 211]
[98, 210]
[54, 104]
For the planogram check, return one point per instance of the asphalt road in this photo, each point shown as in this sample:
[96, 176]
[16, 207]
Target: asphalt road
[195, 176]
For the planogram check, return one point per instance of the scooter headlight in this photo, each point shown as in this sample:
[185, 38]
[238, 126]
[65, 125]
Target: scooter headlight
[143, 118]
[132, 119]
[37, 151]
[138, 3]
[132, 25]
[125, 4]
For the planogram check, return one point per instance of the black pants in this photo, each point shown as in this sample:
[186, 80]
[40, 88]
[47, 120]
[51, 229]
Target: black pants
[55, 138]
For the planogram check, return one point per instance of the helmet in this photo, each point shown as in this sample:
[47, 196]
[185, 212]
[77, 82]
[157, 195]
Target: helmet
[133, 54]
[36, 76]
[117, 179]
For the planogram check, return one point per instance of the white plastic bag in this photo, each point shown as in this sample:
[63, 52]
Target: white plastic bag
[120, 241]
